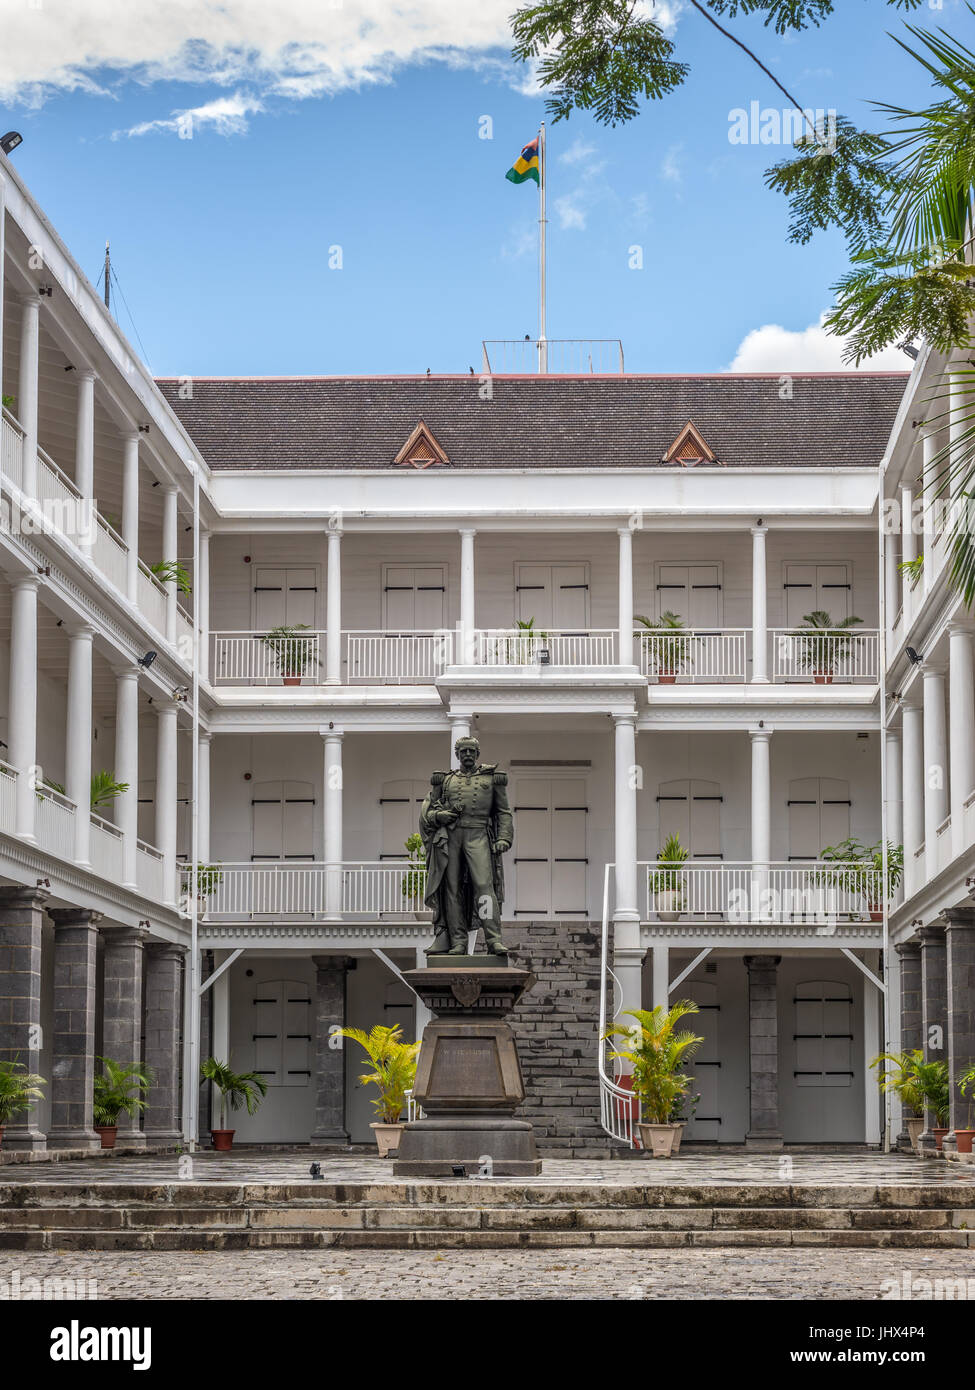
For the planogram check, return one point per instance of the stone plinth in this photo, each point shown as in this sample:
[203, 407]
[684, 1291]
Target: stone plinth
[468, 1080]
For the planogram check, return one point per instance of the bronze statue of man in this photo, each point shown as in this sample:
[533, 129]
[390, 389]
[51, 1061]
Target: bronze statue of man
[466, 826]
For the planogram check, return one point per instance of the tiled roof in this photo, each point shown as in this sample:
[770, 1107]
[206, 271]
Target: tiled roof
[830, 420]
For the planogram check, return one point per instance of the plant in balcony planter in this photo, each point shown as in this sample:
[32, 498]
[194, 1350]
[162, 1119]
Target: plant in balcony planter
[104, 790]
[822, 645]
[413, 882]
[913, 569]
[860, 869]
[657, 1054]
[667, 644]
[292, 652]
[19, 1090]
[668, 883]
[120, 1088]
[173, 572]
[394, 1071]
[527, 644]
[246, 1089]
[900, 1076]
[208, 879]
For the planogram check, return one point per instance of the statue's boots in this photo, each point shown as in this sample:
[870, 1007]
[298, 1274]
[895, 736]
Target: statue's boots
[492, 939]
[441, 943]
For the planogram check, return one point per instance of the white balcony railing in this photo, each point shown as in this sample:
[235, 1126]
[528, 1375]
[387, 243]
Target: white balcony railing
[11, 449]
[149, 870]
[184, 631]
[825, 657]
[558, 647]
[280, 889]
[397, 658]
[55, 823]
[694, 655]
[248, 658]
[8, 796]
[151, 598]
[106, 848]
[816, 892]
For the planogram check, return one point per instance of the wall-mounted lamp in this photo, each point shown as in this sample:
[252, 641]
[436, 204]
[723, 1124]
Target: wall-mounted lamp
[914, 657]
[148, 659]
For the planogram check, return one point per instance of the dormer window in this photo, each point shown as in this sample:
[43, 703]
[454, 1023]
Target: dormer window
[421, 450]
[689, 449]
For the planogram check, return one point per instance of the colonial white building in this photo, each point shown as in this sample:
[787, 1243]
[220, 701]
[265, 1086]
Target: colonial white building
[406, 526]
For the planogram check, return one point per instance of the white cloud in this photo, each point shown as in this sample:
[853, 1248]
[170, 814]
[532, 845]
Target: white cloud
[224, 115]
[291, 48]
[577, 152]
[670, 167]
[773, 348]
[572, 211]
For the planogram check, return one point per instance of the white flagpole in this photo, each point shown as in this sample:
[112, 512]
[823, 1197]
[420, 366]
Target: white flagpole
[542, 222]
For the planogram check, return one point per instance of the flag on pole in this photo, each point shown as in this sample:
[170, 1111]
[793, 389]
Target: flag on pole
[526, 165]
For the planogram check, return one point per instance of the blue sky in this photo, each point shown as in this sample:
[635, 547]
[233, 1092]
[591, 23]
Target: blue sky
[222, 242]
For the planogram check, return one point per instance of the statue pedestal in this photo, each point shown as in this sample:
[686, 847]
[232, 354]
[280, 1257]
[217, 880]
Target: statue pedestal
[468, 1081]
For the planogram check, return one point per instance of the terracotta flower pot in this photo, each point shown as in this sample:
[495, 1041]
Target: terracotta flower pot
[107, 1133]
[223, 1139]
[666, 677]
[915, 1124]
[965, 1137]
[939, 1135]
[387, 1137]
[659, 1140]
[291, 680]
[823, 678]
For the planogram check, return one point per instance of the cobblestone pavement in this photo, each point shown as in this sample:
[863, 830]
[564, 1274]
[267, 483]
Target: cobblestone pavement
[578, 1274]
[733, 1166]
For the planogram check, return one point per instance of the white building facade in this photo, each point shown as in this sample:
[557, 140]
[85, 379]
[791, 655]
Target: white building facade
[403, 529]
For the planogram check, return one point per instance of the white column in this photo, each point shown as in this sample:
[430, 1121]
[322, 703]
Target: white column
[895, 799]
[166, 792]
[961, 740]
[908, 552]
[626, 597]
[929, 447]
[467, 609]
[761, 820]
[27, 388]
[220, 1028]
[78, 738]
[913, 789]
[660, 959]
[22, 700]
[84, 453]
[332, 824]
[872, 1043]
[170, 546]
[130, 514]
[127, 766]
[935, 765]
[759, 606]
[203, 798]
[202, 582]
[460, 727]
[892, 591]
[627, 909]
[333, 609]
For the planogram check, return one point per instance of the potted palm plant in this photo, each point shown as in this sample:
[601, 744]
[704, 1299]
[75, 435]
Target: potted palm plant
[668, 883]
[860, 870]
[900, 1075]
[657, 1054]
[119, 1089]
[246, 1089]
[966, 1085]
[173, 572]
[292, 652]
[823, 644]
[19, 1090]
[414, 880]
[208, 878]
[667, 644]
[935, 1085]
[394, 1071]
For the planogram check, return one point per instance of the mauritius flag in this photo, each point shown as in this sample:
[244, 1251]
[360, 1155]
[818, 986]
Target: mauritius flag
[526, 165]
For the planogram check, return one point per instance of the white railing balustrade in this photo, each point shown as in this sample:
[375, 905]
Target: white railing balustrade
[11, 449]
[694, 655]
[397, 658]
[149, 865]
[248, 658]
[106, 848]
[151, 598]
[558, 647]
[8, 796]
[55, 822]
[278, 888]
[819, 892]
[184, 632]
[826, 656]
[111, 554]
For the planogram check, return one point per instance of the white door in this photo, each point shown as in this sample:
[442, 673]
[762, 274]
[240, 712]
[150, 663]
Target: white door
[550, 850]
[556, 596]
[281, 1032]
[400, 804]
[693, 592]
[809, 587]
[414, 598]
[691, 808]
[819, 815]
[284, 597]
[283, 820]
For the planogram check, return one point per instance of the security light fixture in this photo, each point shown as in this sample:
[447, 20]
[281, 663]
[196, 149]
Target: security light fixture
[43, 883]
[180, 693]
[148, 659]
[910, 349]
[914, 657]
[10, 141]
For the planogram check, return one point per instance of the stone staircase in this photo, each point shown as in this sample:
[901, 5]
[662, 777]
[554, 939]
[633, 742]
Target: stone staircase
[480, 1215]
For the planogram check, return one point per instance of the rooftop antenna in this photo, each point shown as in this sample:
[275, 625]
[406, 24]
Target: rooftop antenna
[108, 272]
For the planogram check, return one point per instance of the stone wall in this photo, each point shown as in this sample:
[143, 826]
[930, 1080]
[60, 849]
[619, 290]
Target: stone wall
[555, 1026]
